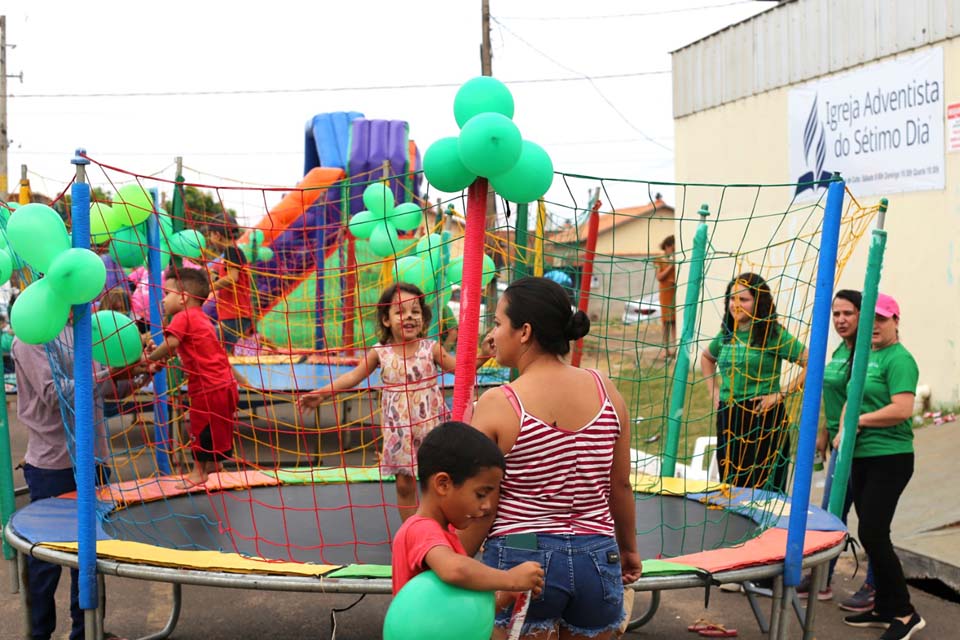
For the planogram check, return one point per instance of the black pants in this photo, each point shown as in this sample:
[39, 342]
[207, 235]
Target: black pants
[753, 447]
[877, 483]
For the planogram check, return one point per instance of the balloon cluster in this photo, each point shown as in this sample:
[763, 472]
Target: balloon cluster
[253, 249]
[71, 276]
[124, 224]
[425, 268]
[489, 145]
[382, 218]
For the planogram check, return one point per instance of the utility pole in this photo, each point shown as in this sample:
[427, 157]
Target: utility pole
[4, 190]
[486, 56]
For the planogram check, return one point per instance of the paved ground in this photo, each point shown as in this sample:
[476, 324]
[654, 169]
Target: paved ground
[137, 608]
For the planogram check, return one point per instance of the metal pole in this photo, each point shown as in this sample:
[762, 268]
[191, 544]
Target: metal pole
[858, 373]
[586, 276]
[681, 371]
[522, 260]
[813, 384]
[24, 196]
[349, 294]
[83, 411]
[161, 435]
[538, 240]
[7, 497]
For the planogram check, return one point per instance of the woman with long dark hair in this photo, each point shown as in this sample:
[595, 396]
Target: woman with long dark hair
[566, 495]
[742, 368]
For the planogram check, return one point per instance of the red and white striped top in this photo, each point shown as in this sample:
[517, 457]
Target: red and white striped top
[558, 481]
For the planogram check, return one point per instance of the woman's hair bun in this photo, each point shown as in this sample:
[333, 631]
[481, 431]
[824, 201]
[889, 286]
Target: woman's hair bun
[577, 326]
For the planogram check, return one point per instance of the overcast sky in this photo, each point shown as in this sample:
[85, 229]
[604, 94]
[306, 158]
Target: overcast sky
[270, 66]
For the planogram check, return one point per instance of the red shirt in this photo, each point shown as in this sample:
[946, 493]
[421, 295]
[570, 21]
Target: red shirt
[410, 546]
[234, 301]
[204, 360]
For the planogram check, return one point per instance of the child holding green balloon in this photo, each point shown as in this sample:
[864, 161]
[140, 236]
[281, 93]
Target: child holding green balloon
[211, 386]
[460, 472]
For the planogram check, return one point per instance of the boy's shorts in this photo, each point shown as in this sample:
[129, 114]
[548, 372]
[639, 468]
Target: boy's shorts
[583, 589]
[212, 419]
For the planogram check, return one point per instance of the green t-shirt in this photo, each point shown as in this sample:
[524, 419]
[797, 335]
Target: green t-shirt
[835, 387]
[890, 371]
[747, 371]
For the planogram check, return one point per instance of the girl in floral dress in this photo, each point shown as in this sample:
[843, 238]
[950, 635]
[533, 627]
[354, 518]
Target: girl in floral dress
[411, 401]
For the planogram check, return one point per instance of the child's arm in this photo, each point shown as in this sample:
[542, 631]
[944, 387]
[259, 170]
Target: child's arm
[166, 349]
[232, 276]
[313, 399]
[468, 573]
[447, 362]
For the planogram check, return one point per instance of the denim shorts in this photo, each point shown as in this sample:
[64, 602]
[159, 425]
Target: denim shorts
[583, 590]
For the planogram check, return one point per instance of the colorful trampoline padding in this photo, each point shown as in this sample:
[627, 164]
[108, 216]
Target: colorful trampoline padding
[51, 523]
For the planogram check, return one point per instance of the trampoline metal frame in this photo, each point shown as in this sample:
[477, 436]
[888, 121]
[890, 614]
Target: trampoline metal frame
[783, 598]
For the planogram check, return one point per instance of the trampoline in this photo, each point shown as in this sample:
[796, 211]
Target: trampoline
[334, 530]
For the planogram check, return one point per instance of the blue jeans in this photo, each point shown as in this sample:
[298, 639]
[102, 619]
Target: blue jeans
[583, 589]
[44, 577]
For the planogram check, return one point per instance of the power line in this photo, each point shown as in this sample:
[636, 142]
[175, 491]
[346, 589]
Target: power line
[394, 87]
[589, 79]
[642, 14]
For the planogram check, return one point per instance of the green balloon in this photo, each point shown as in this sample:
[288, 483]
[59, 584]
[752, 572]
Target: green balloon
[6, 266]
[132, 204]
[128, 248]
[407, 216]
[378, 198]
[413, 270]
[188, 243]
[479, 95]
[116, 339]
[455, 271]
[103, 222]
[256, 237]
[77, 275]
[6, 208]
[362, 224]
[427, 608]
[430, 248]
[443, 167]
[529, 179]
[383, 240]
[37, 233]
[264, 254]
[39, 314]
[490, 144]
[489, 270]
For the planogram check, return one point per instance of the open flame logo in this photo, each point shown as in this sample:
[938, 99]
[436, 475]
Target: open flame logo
[814, 153]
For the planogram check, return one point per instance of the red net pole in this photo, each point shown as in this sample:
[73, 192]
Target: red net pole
[593, 227]
[470, 292]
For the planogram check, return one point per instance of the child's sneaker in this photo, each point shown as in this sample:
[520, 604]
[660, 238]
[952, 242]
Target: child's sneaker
[803, 590]
[900, 631]
[869, 619]
[862, 600]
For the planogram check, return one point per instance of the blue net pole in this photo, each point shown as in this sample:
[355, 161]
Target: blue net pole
[160, 399]
[83, 401]
[813, 385]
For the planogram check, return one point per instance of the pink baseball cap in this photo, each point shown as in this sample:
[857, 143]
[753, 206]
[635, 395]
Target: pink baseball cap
[887, 306]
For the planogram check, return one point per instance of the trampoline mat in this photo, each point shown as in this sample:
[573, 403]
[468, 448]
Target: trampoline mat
[357, 521]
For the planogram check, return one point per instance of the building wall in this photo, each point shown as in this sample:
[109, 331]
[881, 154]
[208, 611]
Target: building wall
[745, 141]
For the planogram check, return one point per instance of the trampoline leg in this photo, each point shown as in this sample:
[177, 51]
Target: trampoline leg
[24, 594]
[90, 631]
[819, 576]
[748, 590]
[14, 575]
[647, 616]
[172, 620]
[786, 599]
[776, 608]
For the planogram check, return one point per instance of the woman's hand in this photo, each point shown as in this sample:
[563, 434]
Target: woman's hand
[630, 566]
[823, 442]
[766, 402]
[487, 348]
[837, 438]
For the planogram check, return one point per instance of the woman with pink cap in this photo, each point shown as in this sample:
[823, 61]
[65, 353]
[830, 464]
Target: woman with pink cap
[882, 466]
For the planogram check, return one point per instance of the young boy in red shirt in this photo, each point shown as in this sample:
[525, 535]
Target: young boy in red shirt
[460, 472]
[211, 387]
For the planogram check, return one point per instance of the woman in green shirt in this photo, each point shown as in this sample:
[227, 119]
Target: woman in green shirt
[882, 466]
[747, 353]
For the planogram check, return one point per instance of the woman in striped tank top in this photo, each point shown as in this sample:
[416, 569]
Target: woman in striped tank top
[566, 500]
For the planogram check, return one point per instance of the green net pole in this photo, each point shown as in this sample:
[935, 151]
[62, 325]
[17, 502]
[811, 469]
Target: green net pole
[7, 497]
[681, 371]
[851, 416]
[523, 234]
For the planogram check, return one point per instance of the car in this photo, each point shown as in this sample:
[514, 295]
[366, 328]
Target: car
[643, 309]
